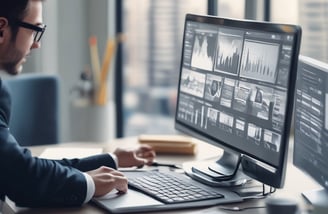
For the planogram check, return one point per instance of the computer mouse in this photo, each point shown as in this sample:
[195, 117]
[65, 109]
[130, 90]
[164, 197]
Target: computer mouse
[281, 206]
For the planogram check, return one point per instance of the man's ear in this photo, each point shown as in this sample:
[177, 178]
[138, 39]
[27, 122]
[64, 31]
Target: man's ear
[3, 26]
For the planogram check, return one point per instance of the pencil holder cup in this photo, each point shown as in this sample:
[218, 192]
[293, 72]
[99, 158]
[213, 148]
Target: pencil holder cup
[92, 123]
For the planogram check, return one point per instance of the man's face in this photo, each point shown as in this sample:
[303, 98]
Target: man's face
[13, 53]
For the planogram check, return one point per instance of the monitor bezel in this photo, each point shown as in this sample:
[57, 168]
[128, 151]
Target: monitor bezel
[276, 175]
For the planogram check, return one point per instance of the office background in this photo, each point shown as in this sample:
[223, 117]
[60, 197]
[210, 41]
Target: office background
[142, 81]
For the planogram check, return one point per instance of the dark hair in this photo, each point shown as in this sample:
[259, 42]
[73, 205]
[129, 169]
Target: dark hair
[13, 10]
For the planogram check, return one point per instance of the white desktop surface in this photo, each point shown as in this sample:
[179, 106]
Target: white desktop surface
[295, 183]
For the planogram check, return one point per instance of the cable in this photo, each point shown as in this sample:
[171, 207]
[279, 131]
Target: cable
[271, 190]
[261, 195]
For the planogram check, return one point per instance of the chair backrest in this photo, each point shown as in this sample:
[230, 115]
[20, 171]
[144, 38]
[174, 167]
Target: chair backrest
[35, 108]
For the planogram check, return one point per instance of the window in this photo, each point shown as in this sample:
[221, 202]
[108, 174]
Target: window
[312, 16]
[151, 59]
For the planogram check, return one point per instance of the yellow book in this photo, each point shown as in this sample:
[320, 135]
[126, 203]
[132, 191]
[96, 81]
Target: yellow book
[172, 144]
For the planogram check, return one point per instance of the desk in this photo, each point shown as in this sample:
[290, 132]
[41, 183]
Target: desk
[296, 181]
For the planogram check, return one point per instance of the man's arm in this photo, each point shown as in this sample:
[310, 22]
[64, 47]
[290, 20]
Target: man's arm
[90, 163]
[34, 182]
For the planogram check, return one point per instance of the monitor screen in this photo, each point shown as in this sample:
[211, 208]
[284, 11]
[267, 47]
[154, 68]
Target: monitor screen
[311, 123]
[236, 90]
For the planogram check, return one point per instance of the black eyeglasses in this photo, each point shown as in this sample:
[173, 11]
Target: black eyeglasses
[39, 30]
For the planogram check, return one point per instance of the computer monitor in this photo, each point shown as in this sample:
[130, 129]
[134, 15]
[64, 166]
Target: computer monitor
[311, 125]
[236, 91]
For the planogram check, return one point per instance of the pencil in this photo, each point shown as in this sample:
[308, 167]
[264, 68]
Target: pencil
[95, 63]
[102, 93]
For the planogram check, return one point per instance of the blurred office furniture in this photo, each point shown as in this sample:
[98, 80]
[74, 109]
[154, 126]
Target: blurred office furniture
[34, 116]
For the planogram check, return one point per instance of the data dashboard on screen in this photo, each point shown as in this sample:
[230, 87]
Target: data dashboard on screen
[236, 84]
[311, 123]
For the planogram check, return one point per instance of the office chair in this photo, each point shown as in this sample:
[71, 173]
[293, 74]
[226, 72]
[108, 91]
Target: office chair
[34, 116]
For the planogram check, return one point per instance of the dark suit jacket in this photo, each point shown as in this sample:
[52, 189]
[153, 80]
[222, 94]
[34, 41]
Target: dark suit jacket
[34, 182]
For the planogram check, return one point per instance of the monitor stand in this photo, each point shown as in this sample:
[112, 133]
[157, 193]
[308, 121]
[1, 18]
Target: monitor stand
[316, 197]
[222, 172]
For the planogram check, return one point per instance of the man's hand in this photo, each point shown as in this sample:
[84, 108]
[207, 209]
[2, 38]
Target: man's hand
[107, 179]
[143, 155]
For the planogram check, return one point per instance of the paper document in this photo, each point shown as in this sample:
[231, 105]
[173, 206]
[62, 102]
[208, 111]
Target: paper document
[64, 152]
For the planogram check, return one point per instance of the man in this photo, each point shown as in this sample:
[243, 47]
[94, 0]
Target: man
[31, 181]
